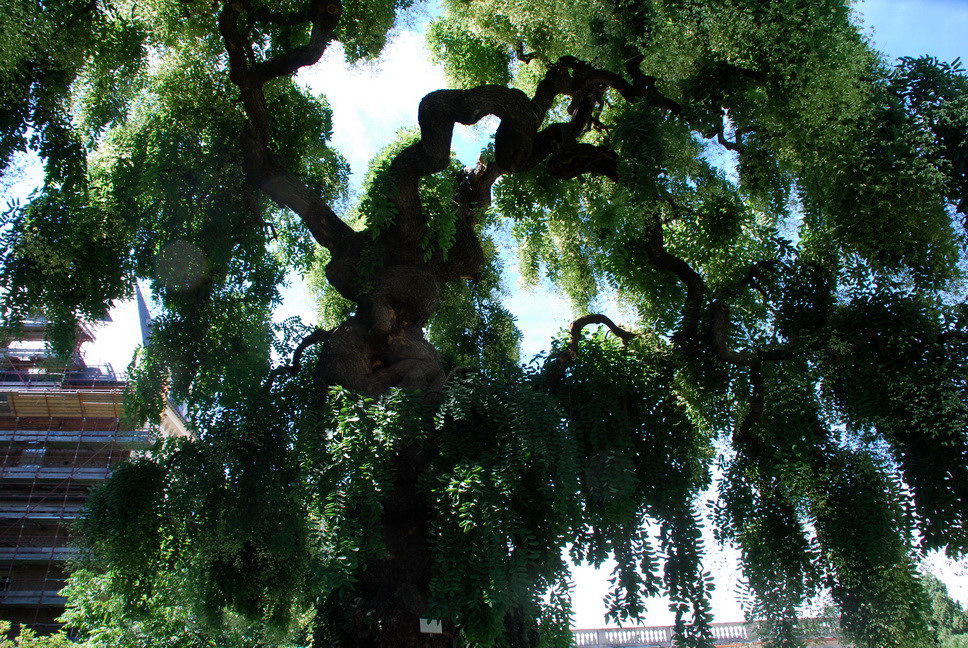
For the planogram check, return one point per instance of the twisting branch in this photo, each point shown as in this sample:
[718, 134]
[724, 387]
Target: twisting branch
[646, 85]
[262, 167]
[317, 336]
[718, 336]
[524, 58]
[737, 146]
[323, 16]
[519, 145]
[695, 286]
[557, 370]
[571, 352]
[718, 331]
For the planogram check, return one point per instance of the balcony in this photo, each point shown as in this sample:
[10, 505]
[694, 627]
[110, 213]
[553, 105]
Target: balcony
[33, 598]
[128, 439]
[20, 372]
[39, 512]
[55, 474]
[818, 631]
[37, 555]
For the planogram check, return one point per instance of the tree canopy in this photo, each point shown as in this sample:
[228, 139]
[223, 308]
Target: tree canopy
[780, 212]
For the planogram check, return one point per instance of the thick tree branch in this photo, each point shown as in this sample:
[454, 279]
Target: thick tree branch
[646, 85]
[556, 371]
[695, 285]
[571, 352]
[262, 167]
[317, 336]
[594, 318]
[520, 54]
[519, 145]
[322, 15]
[718, 339]
[737, 146]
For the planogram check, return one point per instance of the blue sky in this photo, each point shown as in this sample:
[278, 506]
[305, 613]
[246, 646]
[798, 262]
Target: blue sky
[372, 102]
[916, 27]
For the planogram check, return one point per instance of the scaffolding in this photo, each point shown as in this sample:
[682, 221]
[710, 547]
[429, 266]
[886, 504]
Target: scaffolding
[61, 434]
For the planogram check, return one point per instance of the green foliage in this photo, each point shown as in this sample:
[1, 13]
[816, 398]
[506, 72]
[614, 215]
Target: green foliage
[948, 618]
[906, 381]
[932, 93]
[364, 25]
[331, 307]
[955, 641]
[96, 611]
[26, 638]
[468, 60]
[876, 586]
[375, 212]
[471, 328]
[440, 212]
[504, 483]
[828, 231]
[160, 195]
[43, 51]
[212, 519]
[349, 493]
[277, 502]
[643, 461]
[553, 231]
[310, 158]
[61, 257]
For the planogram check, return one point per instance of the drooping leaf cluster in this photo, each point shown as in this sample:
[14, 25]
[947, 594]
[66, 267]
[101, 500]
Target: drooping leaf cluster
[274, 510]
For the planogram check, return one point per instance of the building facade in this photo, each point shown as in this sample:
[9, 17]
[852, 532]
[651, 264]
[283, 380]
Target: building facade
[61, 433]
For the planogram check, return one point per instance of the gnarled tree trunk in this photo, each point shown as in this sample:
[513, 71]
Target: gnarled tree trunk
[383, 345]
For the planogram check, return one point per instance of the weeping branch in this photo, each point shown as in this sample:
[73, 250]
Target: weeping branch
[579, 325]
[744, 438]
[717, 335]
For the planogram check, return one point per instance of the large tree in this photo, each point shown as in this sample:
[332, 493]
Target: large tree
[781, 213]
